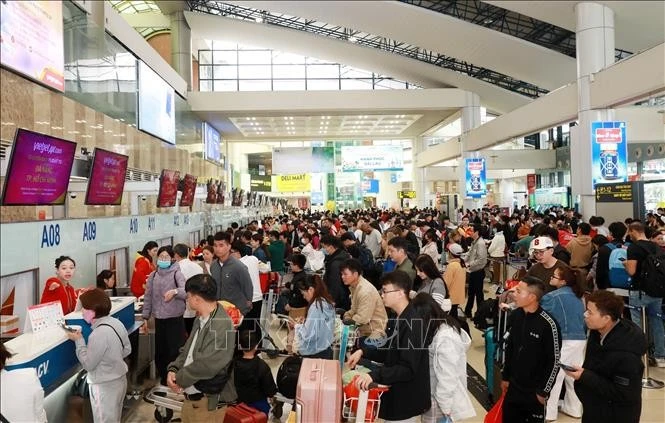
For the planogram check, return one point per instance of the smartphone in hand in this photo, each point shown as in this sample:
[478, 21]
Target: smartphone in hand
[67, 328]
[567, 367]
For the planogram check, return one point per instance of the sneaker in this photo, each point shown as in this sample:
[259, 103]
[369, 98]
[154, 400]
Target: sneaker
[660, 362]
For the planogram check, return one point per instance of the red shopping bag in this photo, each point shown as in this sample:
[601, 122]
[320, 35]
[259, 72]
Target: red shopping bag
[495, 415]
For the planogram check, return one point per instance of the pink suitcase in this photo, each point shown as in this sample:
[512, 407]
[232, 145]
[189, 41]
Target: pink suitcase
[319, 392]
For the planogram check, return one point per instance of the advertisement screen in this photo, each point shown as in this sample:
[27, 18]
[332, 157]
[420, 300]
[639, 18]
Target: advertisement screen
[370, 186]
[476, 178]
[211, 143]
[168, 188]
[107, 179]
[260, 183]
[292, 160]
[32, 40]
[38, 170]
[372, 158]
[156, 105]
[609, 152]
[188, 191]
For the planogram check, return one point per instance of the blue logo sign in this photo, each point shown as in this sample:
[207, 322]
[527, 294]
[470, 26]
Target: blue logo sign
[393, 178]
[609, 152]
[476, 178]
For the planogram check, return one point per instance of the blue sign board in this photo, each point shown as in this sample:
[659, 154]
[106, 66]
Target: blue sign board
[393, 178]
[317, 198]
[609, 152]
[476, 177]
[370, 186]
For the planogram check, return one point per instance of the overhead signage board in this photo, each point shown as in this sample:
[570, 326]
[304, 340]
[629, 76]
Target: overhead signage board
[294, 183]
[373, 158]
[614, 193]
[260, 183]
[609, 152]
[406, 194]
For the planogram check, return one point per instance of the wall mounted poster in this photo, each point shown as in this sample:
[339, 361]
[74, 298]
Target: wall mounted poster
[609, 152]
[476, 178]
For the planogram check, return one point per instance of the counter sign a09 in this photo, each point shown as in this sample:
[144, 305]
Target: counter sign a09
[608, 143]
[476, 179]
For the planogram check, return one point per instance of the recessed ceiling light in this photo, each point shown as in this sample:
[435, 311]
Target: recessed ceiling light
[253, 118]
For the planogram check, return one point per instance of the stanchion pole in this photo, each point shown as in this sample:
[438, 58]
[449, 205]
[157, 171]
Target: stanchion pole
[648, 382]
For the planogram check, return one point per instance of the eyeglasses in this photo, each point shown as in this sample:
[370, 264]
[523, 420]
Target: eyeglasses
[383, 291]
[554, 277]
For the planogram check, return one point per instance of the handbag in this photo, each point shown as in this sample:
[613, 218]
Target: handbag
[495, 415]
[80, 385]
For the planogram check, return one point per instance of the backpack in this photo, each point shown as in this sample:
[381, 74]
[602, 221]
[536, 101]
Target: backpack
[287, 376]
[619, 277]
[365, 258]
[652, 274]
[486, 314]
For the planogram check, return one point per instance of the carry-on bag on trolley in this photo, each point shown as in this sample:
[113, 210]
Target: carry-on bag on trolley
[243, 413]
[319, 391]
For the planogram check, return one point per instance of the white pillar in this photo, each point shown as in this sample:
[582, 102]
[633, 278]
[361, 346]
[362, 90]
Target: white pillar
[595, 51]
[506, 193]
[470, 119]
[419, 183]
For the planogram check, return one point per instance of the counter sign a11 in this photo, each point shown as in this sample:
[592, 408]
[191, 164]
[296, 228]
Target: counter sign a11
[608, 143]
[476, 179]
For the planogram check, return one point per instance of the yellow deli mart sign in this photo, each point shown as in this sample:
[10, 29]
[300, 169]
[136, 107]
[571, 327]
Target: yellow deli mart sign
[294, 183]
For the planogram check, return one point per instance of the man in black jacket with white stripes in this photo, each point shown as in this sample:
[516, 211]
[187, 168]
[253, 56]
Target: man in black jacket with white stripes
[533, 343]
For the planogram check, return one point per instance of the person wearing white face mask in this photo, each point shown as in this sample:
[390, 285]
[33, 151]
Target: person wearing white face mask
[103, 356]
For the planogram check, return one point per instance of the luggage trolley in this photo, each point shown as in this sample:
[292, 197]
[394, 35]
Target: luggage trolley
[363, 408]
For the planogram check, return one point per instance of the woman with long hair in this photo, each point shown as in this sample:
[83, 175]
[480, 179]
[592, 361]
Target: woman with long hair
[208, 254]
[448, 345]
[106, 280]
[314, 337]
[431, 279]
[455, 277]
[429, 245]
[565, 305]
[144, 265]
[259, 249]
[59, 288]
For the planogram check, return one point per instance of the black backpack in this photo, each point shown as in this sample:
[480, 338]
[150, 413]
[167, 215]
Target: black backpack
[365, 258]
[652, 274]
[486, 314]
[287, 376]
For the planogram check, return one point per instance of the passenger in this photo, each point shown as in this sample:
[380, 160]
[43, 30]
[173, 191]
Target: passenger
[103, 356]
[532, 355]
[59, 288]
[371, 237]
[315, 336]
[276, 250]
[455, 277]
[429, 247]
[542, 250]
[565, 305]
[406, 360]
[367, 309]
[432, 283]
[196, 252]
[208, 257]
[448, 345]
[165, 300]
[335, 256]
[22, 395]
[259, 249]
[202, 369]
[597, 242]
[397, 249]
[609, 383]
[497, 251]
[252, 264]
[560, 252]
[246, 239]
[188, 269]
[296, 305]
[252, 376]
[144, 265]
[476, 260]
[106, 281]
[580, 248]
[232, 277]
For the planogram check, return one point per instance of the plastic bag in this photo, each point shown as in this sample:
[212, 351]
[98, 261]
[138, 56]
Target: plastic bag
[495, 415]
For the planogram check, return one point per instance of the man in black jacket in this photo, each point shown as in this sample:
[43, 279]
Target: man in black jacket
[618, 232]
[532, 355]
[335, 256]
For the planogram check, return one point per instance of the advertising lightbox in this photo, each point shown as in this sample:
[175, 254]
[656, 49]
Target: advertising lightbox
[609, 152]
[372, 158]
[476, 177]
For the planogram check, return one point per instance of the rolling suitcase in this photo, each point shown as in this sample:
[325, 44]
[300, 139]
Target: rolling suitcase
[243, 413]
[319, 391]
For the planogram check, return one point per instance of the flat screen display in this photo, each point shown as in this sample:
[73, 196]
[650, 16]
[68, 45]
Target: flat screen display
[32, 40]
[107, 179]
[372, 158]
[188, 190]
[38, 171]
[168, 188]
[156, 105]
[211, 143]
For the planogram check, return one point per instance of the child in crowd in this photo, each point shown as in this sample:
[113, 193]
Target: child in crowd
[253, 379]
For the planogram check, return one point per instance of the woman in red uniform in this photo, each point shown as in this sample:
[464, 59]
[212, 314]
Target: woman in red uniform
[58, 288]
[143, 267]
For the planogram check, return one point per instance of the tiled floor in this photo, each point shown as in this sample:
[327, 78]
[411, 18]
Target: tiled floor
[653, 400]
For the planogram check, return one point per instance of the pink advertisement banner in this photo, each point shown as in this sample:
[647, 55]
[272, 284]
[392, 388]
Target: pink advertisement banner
[107, 179]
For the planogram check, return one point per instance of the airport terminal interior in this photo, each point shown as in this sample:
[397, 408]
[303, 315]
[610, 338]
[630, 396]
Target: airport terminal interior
[131, 126]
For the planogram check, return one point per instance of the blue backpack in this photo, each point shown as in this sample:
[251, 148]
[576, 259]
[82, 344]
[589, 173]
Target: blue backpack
[619, 278]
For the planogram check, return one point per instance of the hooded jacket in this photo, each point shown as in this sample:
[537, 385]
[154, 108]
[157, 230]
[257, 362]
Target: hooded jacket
[333, 279]
[610, 387]
[581, 250]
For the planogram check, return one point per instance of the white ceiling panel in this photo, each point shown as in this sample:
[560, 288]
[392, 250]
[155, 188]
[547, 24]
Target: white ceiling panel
[639, 25]
[437, 32]
[210, 27]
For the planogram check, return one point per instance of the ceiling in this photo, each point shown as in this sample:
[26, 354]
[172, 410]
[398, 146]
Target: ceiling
[324, 125]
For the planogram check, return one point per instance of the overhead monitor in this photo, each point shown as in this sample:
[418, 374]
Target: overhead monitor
[156, 105]
[107, 178]
[168, 188]
[188, 191]
[211, 143]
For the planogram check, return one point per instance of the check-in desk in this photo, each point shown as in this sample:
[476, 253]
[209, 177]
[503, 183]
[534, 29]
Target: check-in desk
[53, 355]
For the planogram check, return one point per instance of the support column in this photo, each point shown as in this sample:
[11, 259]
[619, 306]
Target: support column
[595, 51]
[181, 46]
[470, 120]
[419, 182]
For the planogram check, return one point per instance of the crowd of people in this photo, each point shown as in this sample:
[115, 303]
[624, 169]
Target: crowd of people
[407, 280]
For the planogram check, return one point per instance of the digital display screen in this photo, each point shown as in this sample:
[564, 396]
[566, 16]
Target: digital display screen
[211, 143]
[372, 158]
[188, 191]
[168, 188]
[107, 179]
[38, 171]
[156, 105]
[31, 34]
